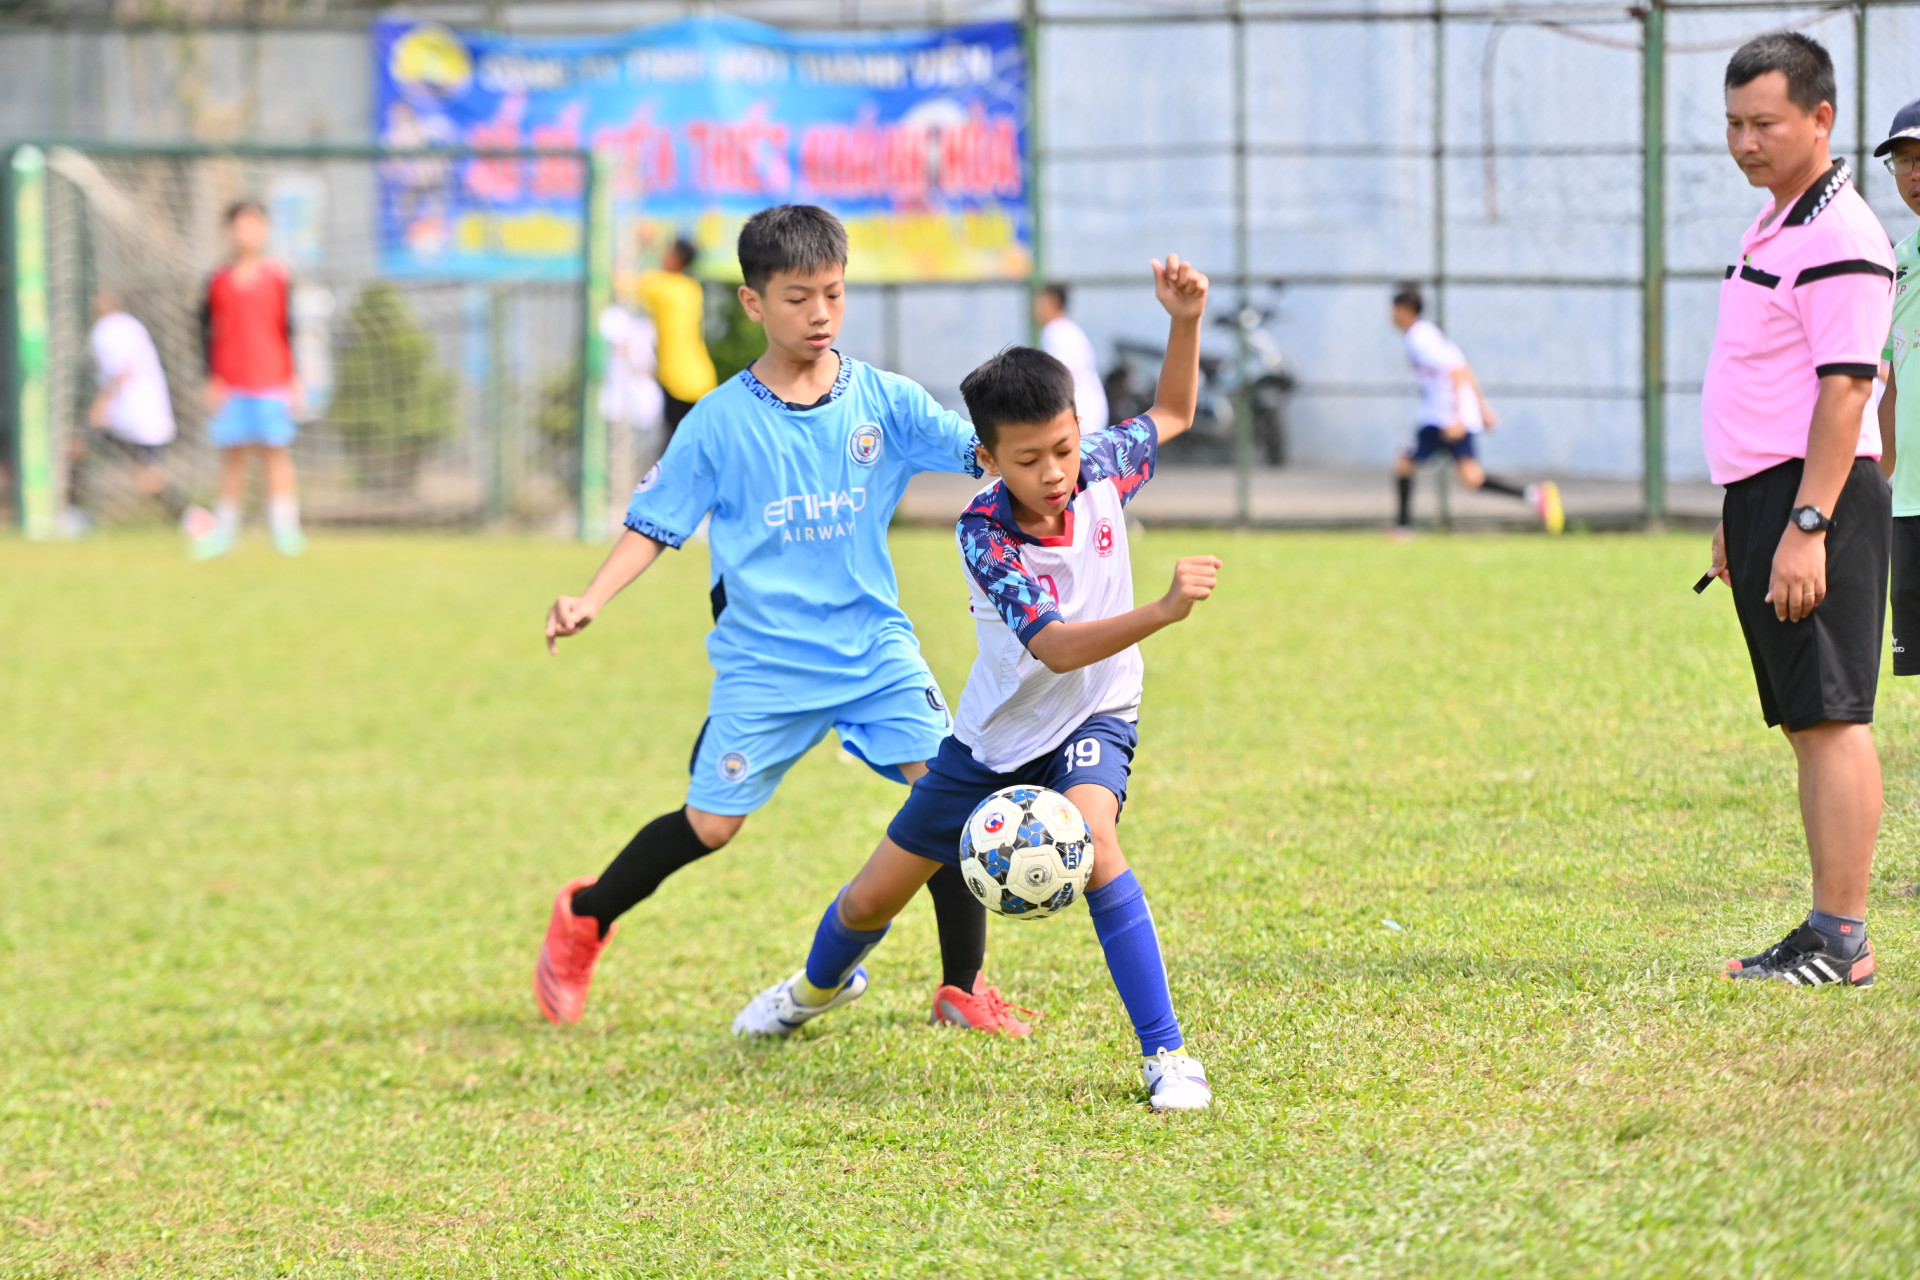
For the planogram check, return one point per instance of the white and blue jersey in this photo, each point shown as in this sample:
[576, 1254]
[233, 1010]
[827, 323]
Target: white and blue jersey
[807, 617]
[1020, 724]
[1014, 709]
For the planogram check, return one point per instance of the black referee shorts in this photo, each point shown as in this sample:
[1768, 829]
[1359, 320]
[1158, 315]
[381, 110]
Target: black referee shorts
[1827, 665]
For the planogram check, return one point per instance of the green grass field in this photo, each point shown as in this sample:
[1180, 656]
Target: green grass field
[278, 841]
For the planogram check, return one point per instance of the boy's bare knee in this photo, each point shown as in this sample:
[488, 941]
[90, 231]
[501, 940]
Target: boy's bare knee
[714, 829]
[860, 908]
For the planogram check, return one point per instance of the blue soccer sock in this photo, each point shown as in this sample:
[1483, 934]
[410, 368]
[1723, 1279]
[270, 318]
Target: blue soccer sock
[1124, 926]
[837, 951]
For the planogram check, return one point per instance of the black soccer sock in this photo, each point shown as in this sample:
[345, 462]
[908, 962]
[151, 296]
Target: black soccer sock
[1501, 486]
[962, 923]
[1405, 486]
[659, 849]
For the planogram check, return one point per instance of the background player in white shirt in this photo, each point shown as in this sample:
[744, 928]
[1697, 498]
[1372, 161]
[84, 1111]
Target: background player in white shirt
[1068, 343]
[1453, 412]
[631, 396]
[131, 411]
[1055, 692]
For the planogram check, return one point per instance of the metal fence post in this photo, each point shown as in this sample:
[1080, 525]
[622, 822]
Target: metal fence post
[1860, 99]
[1443, 473]
[1653, 263]
[1439, 166]
[33, 407]
[596, 254]
[1036, 230]
[1242, 263]
[498, 483]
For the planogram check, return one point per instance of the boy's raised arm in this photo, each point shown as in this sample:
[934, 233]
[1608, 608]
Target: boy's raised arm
[1183, 292]
[629, 558]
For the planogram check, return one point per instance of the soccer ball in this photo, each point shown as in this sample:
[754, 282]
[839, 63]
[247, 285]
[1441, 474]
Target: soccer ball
[1026, 852]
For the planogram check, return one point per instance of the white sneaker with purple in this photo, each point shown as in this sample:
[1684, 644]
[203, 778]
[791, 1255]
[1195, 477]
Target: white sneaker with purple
[1176, 1082]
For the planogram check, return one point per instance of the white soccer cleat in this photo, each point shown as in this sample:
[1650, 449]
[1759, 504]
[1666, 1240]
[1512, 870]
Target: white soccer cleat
[1176, 1082]
[775, 1012]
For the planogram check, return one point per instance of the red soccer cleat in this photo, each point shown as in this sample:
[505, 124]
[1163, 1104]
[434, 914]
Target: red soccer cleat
[981, 1009]
[567, 957]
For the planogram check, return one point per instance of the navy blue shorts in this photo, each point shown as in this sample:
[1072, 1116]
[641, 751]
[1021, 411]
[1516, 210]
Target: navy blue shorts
[936, 812]
[1431, 440]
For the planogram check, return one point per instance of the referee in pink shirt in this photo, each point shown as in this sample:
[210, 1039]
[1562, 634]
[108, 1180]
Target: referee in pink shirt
[1804, 532]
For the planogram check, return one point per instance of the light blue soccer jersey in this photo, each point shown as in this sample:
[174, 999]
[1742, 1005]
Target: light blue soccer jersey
[806, 607]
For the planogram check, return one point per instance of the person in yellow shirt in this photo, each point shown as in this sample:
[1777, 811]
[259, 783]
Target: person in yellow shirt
[677, 305]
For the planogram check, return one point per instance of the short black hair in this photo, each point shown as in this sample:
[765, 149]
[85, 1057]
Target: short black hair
[1408, 296]
[1802, 59]
[1057, 291]
[790, 237]
[687, 252]
[239, 207]
[1018, 385]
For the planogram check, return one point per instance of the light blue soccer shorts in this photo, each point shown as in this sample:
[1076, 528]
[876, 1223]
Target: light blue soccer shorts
[738, 760]
[248, 419]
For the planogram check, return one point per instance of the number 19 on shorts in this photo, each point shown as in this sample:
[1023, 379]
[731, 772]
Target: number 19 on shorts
[1084, 754]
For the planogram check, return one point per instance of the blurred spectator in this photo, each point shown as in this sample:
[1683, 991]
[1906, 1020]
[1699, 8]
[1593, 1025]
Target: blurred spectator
[676, 302]
[131, 414]
[1068, 343]
[630, 395]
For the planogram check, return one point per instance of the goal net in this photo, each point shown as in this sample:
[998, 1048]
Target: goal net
[441, 351]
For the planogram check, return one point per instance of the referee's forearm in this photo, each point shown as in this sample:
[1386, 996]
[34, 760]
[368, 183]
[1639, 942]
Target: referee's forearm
[1833, 440]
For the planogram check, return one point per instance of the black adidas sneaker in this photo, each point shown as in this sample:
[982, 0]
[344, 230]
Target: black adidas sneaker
[1803, 959]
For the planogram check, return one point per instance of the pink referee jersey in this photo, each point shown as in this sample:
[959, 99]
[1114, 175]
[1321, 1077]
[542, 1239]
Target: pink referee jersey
[1812, 295]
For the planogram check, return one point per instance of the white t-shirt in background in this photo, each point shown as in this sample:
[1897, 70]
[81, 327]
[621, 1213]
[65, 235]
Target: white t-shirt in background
[1068, 343]
[140, 411]
[1434, 359]
[631, 394]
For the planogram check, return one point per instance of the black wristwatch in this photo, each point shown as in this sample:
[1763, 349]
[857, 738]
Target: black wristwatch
[1809, 520]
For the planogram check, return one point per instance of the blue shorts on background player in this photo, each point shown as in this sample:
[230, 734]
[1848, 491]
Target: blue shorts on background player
[1054, 695]
[797, 464]
[249, 419]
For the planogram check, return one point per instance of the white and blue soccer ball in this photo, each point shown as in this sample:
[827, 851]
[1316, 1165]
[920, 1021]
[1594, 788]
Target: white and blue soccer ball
[1026, 852]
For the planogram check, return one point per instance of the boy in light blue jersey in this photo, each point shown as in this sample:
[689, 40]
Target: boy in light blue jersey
[797, 463]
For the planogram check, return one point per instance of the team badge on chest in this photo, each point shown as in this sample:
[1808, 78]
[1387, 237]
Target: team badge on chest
[863, 445]
[1103, 537]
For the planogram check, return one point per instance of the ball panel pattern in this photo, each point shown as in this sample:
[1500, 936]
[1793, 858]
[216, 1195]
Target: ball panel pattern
[1026, 852]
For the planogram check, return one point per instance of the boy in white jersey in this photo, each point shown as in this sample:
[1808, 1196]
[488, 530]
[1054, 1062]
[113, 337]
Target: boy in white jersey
[1055, 691]
[1453, 413]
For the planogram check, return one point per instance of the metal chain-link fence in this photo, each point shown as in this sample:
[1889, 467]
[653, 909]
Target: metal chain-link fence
[1309, 153]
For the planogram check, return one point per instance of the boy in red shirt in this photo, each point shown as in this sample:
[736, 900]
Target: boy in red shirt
[247, 331]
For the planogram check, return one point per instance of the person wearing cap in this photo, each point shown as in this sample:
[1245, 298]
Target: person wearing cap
[1804, 314]
[1900, 419]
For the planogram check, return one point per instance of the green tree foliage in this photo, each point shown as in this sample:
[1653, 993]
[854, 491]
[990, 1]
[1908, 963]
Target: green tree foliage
[391, 397]
[733, 340]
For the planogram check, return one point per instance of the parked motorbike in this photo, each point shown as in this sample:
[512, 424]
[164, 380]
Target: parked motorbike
[1131, 383]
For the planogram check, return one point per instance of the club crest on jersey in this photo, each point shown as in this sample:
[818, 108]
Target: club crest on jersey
[1103, 537]
[863, 446]
[733, 767]
[648, 480]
